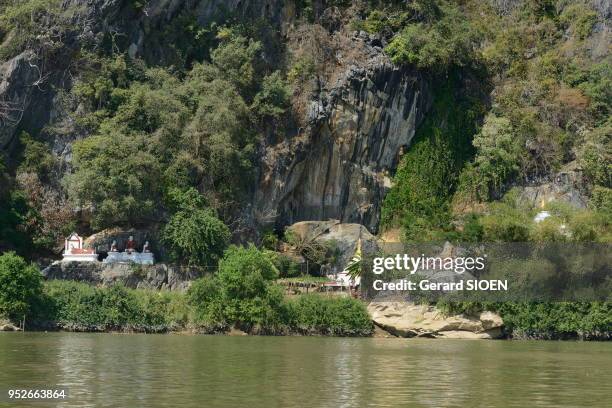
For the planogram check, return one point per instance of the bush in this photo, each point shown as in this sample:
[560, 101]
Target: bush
[446, 40]
[557, 319]
[273, 98]
[287, 267]
[79, 306]
[20, 286]
[329, 315]
[506, 221]
[244, 272]
[196, 237]
[241, 293]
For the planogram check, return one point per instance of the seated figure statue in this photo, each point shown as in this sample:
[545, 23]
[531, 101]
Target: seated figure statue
[130, 245]
[113, 247]
[145, 247]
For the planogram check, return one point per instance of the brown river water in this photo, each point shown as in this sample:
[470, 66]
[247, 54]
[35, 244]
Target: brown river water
[133, 370]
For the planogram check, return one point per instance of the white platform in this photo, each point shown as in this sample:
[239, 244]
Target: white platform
[143, 258]
[80, 257]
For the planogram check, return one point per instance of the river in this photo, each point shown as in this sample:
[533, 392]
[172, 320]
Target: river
[132, 370]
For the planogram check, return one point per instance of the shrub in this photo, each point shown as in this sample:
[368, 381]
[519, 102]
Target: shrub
[287, 267]
[79, 306]
[506, 223]
[329, 315]
[241, 293]
[20, 286]
[196, 237]
[273, 98]
[601, 199]
[245, 271]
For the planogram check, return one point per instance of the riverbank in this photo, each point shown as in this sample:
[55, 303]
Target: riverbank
[71, 306]
[79, 307]
[243, 295]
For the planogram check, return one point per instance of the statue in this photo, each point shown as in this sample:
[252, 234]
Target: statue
[145, 247]
[113, 247]
[130, 245]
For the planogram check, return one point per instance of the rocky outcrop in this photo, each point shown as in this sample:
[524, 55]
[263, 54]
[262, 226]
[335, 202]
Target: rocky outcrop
[343, 236]
[563, 187]
[340, 165]
[7, 325]
[410, 320]
[17, 79]
[159, 276]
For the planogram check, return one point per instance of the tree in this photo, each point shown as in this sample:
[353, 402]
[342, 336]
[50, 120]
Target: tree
[116, 176]
[497, 159]
[235, 56]
[273, 99]
[241, 292]
[194, 234]
[20, 285]
[245, 271]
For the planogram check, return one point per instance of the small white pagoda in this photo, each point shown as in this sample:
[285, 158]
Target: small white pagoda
[74, 251]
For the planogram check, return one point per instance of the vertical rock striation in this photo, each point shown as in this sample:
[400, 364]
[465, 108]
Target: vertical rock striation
[340, 165]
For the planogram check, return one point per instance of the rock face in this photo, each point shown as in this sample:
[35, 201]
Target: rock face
[409, 320]
[344, 236]
[17, 79]
[340, 167]
[159, 276]
[564, 187]
[337, 165]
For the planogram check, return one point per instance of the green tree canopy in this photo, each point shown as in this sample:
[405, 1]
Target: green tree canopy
[20, 285]
[195, 235]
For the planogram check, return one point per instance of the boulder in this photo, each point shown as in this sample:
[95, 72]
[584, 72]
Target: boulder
[344, 237]
[6, 325]
[405, 319]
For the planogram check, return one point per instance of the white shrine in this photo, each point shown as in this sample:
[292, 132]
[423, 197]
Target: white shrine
[74, 251]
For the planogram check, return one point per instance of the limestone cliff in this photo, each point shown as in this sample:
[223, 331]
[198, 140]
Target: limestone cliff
[336, 163]
[339, 166]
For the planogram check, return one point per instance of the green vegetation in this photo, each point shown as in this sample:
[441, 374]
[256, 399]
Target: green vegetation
[22, 25]
[333, 316]
[549, 111]
[428, 173]
[242, 294]
[81, 307]
[20, 286]
[545, 320]
[434, 35]
[194, 234]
